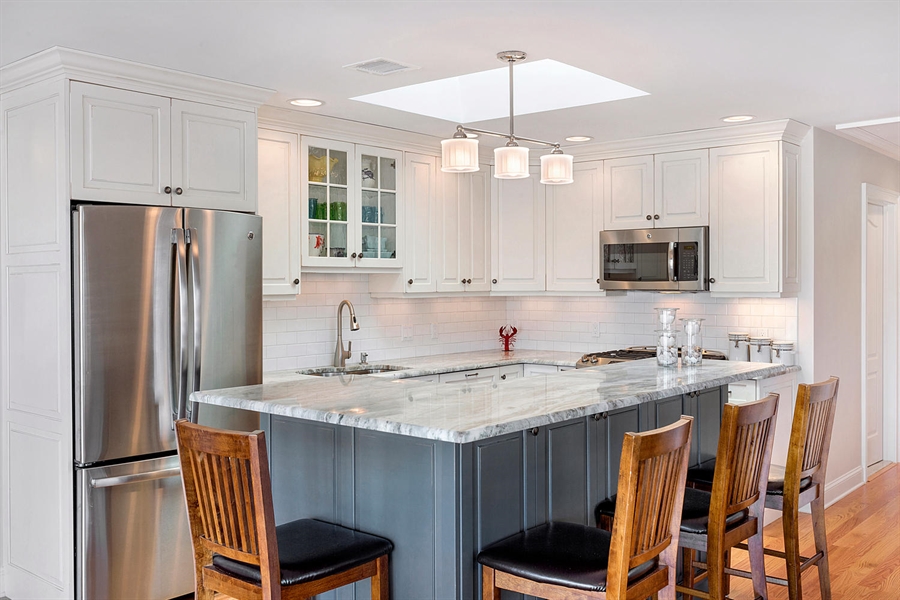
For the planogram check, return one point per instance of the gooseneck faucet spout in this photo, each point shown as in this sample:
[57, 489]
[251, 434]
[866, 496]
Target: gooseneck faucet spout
[341, 355]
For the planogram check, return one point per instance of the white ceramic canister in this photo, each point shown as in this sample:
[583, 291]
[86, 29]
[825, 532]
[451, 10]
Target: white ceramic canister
[761, 349]
[783, 353]
[739, 346]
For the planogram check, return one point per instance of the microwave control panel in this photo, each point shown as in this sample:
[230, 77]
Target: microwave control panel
[688, 261]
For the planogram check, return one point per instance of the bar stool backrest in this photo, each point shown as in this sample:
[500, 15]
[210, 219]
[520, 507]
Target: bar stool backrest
[651, 490]
[228, 493]
[811, 432]
[742, 457]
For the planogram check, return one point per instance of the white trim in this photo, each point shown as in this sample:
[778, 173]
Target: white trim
[872, 194]
[115, 72]
[844, 485]
[873, 142]
[868, 123]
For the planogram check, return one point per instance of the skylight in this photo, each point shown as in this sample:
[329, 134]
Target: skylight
[540, 86]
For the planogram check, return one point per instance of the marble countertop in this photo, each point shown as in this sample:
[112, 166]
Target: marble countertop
[465, 412]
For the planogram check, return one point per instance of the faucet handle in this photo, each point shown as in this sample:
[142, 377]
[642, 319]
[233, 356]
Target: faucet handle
[349, 348]
[363, 358]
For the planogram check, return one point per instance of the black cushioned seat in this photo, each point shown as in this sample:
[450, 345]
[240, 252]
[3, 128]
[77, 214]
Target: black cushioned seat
[309, 550]
[564, 554]
[703, 475]
[694, 512]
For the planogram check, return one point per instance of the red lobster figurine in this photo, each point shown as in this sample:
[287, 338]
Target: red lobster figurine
[508, 336]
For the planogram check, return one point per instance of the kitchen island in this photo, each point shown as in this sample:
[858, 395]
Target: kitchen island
[445, 469]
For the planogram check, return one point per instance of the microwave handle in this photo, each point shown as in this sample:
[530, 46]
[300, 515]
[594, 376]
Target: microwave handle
[673, 247]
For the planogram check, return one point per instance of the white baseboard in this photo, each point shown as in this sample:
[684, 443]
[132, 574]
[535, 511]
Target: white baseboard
[843, 485]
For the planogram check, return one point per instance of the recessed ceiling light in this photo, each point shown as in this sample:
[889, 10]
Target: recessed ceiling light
[738, 118]
[579, 138]
[306, 102]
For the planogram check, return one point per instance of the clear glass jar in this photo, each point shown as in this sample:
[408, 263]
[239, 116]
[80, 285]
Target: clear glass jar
[739, 348]
[666, 349]
[666, 317]
[692, 349]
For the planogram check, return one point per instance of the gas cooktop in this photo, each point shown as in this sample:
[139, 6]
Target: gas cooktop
[609, 357]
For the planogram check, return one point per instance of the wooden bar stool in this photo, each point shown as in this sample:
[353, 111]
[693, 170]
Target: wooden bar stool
[239, 551]
[716, 521]
[567, 560]
[802, 482]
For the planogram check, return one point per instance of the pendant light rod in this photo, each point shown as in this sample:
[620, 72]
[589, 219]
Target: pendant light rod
[461, 132]
[512, 113]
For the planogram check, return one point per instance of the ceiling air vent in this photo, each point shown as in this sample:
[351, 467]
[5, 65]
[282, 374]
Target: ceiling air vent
[380, 66]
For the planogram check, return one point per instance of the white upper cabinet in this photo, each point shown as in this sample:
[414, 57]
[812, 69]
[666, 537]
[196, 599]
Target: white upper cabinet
[214, 157]
[681, 189]
[463, 226]
[753, 219]
[137, 148]
[574, 221]
[354, 210]
[628, 193]
[279, 206]
[518, 211]
[421, 200]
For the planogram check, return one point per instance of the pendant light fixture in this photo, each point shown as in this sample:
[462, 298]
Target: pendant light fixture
[459, 154]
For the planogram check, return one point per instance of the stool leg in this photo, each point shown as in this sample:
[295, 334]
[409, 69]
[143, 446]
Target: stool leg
[380, 584]
[687, 569]
[715, 571]
[791, 527]
[758, 564]
[489, 591]
[726, 582]
[818, 522]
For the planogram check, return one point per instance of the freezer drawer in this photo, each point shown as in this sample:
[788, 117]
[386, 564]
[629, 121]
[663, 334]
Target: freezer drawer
[133, 539]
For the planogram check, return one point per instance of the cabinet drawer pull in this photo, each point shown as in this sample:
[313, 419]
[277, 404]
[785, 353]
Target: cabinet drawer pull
[168, 189]
[475, 374]
[503, 377]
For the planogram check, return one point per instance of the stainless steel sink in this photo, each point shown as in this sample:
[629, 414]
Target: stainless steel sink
[335, 371]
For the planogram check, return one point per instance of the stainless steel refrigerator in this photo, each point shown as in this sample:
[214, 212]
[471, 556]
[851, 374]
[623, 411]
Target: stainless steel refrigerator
[166, 301]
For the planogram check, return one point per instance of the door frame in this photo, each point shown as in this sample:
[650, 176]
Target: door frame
[890, 200]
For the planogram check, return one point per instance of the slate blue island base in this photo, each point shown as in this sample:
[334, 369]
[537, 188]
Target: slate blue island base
[440, 501]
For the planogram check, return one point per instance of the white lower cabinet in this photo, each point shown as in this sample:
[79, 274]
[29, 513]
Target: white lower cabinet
[510, 372]
[518, 233]
[489, 375]
[532, 370]
[753, 219]
[279, 204]
[425, 378]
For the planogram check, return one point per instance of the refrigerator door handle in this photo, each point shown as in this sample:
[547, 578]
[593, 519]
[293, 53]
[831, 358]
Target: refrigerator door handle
[194, 245]
[104, 482]
[178, 237]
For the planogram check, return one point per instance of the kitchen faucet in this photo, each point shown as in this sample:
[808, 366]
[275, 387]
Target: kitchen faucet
[341, 355]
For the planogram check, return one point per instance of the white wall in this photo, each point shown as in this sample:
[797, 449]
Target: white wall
[841, 167]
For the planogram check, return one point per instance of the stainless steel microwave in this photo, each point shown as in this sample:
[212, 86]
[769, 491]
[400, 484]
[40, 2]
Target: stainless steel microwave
[662, 260]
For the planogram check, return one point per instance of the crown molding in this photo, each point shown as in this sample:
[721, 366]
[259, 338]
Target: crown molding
[870, 140]
[786, 130]
[115, 72]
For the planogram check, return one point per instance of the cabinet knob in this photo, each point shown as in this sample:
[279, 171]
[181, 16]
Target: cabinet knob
[656, 217]
[168, 189]
[178, 191]
[493, 281]
[649, 218]
[462, 281]
[353, 255]
[598, 280]
[503, 377]
[409, 281]
[468, 281]
[296, 282]
[712, 279]
[535, 430]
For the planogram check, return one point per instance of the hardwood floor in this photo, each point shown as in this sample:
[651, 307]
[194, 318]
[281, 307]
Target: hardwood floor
[863, 543]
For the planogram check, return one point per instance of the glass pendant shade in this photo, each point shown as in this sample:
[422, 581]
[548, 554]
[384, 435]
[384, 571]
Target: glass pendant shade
[511, 162]
[556, 169]
[459, 155]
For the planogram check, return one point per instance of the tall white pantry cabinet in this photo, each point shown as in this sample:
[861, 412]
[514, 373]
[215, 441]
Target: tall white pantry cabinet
[77, 126]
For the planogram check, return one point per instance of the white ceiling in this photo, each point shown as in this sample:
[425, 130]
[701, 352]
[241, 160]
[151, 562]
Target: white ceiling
[821, 63]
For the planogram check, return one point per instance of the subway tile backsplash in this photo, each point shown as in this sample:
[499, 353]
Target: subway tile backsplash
[301, 332]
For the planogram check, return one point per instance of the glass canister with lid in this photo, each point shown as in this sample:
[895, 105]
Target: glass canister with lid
[666, 350]
[783, 353]
[739, 346]
[692, 350]
[761, 349]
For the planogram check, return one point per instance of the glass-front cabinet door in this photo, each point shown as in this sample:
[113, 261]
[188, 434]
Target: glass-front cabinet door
[350, 195]
[378, 173]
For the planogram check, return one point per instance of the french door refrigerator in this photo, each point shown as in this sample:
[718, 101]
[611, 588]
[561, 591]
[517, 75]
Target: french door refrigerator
[166, 301]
